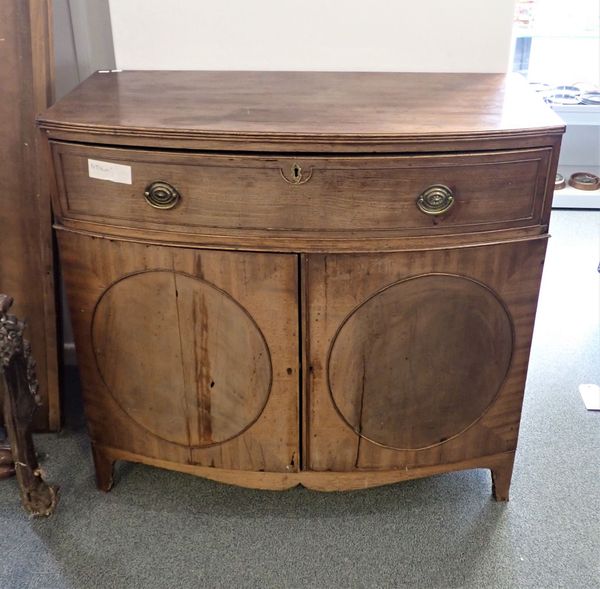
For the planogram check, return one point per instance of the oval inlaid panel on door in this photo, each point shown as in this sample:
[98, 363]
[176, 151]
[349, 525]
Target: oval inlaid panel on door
[421, 360]
[197, 372]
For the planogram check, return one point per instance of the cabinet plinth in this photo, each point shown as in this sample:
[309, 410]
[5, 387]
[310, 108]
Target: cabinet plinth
[306, 294]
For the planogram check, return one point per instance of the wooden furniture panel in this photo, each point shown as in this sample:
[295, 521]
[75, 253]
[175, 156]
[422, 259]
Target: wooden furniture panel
[399, 363]
[305, 112]
[337, 195]
[26, 263]
[307, 311]
[423, 360]
[226, 356]
[181, 360]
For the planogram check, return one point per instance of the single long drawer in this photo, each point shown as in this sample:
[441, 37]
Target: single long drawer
[335, 195]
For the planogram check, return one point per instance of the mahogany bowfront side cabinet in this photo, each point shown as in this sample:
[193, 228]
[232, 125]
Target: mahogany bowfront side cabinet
[326, 279]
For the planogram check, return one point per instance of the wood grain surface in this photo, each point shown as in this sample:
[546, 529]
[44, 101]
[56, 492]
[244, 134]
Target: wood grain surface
[420, 361]
[397, 342]
[341, 195]
[182, 359]
[239, 110]
[415, 403]
[26, 260]
[197, 371]
[500, 466]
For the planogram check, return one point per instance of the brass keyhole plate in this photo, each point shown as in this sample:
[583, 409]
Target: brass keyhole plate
[296, 175]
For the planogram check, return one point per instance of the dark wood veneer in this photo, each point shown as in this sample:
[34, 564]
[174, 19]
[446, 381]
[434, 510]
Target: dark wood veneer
[295, 317]
[321, 109]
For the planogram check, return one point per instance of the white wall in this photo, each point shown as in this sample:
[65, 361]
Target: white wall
[396, 35]
[566, 42]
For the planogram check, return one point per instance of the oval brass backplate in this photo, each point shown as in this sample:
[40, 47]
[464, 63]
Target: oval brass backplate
[161, 195]
[437, 199]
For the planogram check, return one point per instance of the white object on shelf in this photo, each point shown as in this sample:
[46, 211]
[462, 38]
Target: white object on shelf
[573, 198]
[590, 393]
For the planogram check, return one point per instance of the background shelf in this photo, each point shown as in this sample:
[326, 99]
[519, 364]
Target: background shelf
[572, 198]
[578, 114]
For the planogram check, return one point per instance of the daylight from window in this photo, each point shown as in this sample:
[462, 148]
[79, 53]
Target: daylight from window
[557, 42]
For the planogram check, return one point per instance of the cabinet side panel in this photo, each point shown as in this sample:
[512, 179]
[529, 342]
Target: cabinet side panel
[338, 285]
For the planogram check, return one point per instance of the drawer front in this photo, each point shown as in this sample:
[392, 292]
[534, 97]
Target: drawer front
[335, 195]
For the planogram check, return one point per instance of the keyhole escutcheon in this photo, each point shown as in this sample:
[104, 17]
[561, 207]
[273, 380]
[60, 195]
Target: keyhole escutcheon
[296, 175]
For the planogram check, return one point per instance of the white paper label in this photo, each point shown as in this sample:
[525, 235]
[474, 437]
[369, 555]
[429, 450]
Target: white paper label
[109, 171]
[590, 393]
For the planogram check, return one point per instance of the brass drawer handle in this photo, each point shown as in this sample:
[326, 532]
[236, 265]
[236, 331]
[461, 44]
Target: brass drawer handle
[161, 195]
[435, 200]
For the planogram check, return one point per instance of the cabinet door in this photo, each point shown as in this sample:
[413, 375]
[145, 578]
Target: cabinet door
[418, 358]
[189, 356]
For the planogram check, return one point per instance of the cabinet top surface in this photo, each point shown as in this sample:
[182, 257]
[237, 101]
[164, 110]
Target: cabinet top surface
[297, 106]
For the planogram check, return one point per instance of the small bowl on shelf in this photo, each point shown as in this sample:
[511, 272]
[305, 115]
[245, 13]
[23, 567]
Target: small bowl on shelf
[584, 181]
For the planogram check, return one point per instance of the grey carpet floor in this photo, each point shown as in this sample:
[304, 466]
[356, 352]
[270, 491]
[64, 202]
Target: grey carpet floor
[163, 529]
